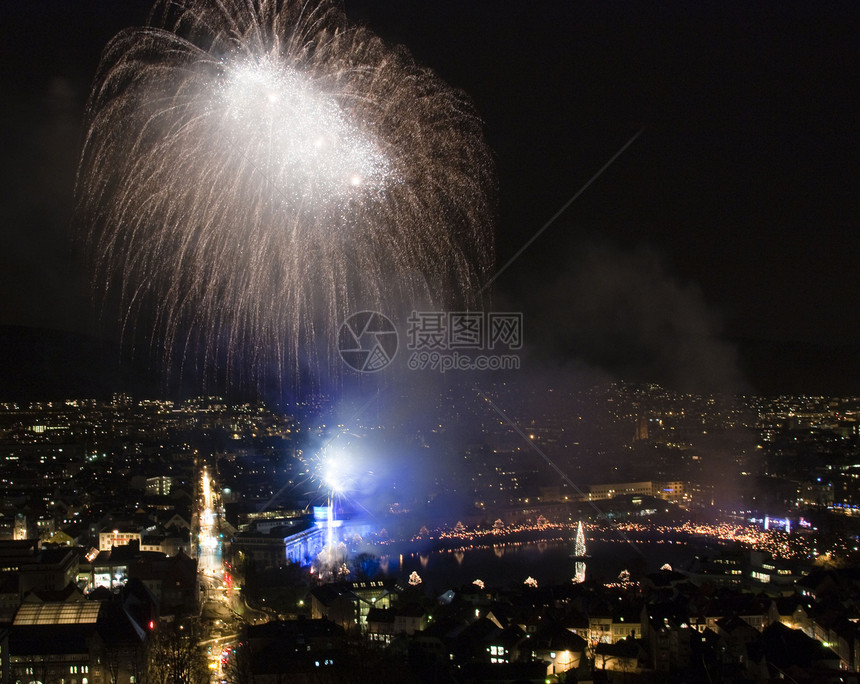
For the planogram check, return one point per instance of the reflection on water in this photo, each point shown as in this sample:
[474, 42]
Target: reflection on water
[550, 563]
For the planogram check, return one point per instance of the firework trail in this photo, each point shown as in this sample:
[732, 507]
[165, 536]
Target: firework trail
[254, 171]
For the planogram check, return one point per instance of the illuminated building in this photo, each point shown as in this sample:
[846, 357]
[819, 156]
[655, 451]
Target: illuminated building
[275, 542]
[641, 430]
[73, 642]
[159, 485]
[110, 538]
[348, 603]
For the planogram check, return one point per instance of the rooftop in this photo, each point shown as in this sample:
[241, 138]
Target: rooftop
[57, 614]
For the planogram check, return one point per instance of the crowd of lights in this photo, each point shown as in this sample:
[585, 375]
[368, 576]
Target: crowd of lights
[777, 542]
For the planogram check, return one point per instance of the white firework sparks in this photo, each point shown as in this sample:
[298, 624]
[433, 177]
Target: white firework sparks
[259, 169]
[320, 156]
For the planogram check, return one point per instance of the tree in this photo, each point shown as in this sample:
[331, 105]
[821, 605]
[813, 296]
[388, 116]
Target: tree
[118, 661]
[174, 655]
[238, 668]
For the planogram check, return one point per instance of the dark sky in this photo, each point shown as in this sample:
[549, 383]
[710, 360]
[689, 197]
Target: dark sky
[720, 249]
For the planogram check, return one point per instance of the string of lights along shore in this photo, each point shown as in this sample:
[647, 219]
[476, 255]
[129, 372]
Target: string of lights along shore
[254, 171]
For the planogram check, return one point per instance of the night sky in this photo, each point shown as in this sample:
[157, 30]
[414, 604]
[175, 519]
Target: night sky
[719, 251]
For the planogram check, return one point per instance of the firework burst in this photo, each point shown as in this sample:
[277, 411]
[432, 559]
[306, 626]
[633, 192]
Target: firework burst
[255, 170]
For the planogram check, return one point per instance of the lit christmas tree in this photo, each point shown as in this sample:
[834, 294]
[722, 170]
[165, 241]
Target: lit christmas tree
[579, 554]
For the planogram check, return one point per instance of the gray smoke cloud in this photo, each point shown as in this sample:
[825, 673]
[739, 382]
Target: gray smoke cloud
[623, 313]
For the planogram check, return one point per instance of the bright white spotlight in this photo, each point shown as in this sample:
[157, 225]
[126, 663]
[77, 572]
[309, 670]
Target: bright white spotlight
[333, 476]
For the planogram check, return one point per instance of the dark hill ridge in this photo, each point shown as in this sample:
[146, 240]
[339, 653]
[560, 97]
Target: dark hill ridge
[48, 364]
[38, 363]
